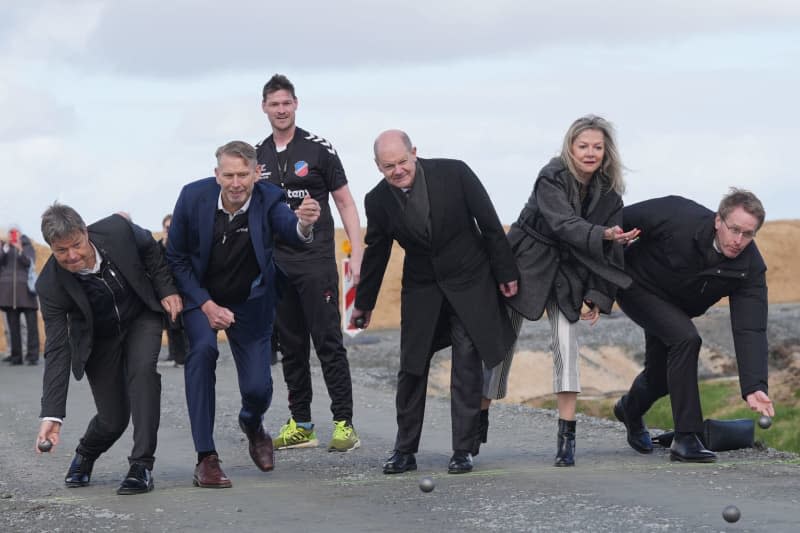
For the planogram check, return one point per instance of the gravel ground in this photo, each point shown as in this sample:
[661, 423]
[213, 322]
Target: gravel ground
[514, 487]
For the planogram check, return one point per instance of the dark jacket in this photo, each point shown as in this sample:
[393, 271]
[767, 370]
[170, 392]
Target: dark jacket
[674, 259]
[460, 265]
[192, 230]
[65, 308]
[14, 293]
[560, 248]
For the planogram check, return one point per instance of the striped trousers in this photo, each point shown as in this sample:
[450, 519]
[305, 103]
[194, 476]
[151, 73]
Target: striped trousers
[564, 346]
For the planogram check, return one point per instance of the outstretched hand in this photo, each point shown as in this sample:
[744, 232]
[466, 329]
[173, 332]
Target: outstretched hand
[616, 234]
[760, 402]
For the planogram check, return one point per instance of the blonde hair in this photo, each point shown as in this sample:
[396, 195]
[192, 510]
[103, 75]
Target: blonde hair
[611, 167]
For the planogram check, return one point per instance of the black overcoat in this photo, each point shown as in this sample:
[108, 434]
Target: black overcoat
[670, 260]
[467, 257]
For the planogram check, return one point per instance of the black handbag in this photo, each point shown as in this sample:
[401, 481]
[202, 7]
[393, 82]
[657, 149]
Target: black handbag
[719, 435]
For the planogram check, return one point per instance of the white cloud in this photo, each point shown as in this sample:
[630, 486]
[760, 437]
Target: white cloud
[185, 37]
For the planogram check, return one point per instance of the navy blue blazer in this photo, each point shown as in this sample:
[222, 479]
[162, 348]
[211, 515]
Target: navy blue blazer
[192, 231]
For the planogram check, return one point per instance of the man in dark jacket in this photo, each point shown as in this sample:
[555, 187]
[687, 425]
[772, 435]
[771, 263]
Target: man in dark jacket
[457, 256]
[687, 259]
[102, 293]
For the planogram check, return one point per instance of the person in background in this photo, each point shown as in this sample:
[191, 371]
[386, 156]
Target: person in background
[304, 164]
[17, 300]
[176, 335]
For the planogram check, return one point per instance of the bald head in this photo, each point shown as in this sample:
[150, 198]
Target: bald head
[396, 158]
[391, 136]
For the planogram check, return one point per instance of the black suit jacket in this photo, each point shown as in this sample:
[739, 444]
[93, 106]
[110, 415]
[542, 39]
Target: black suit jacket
[65, 309]
[466, 258]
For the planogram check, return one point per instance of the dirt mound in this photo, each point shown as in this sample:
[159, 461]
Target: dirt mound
[777, 241]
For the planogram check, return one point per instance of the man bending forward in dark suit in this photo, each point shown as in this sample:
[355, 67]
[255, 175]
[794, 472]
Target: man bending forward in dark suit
[102, 292]
[457, 256]
[220, 250]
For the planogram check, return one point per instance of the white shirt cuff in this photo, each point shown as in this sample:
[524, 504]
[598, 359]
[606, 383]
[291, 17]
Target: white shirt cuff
[53, 419]
[303, 238]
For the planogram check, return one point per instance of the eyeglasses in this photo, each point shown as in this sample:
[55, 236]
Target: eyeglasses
[737, 231]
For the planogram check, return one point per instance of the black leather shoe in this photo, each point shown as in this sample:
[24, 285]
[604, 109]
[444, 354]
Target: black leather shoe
[460, 463]
[80, 471]
[638, 434]
[138, 481]
[32, 362]
[400, 462]
[686, 447]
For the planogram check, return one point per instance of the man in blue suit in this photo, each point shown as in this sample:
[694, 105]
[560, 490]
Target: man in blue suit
[220, 251]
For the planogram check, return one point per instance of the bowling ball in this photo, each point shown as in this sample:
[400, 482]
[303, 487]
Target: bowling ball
[426, 484]
[731, 513]
[45, 446]
[764, 422]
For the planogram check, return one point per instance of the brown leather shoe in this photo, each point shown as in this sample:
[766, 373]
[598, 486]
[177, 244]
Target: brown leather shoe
[260, 448]
[209, 475]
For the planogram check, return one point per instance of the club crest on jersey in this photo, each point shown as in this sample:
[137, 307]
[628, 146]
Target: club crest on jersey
[301, 169]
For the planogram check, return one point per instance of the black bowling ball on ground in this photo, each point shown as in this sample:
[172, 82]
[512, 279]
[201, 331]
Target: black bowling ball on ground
[426, 484]
[731, 514]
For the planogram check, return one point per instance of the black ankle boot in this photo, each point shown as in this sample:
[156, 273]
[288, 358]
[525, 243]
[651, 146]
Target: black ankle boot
[565, 455]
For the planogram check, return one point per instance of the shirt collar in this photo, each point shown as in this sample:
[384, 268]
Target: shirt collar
[98, 259]
[240, 211]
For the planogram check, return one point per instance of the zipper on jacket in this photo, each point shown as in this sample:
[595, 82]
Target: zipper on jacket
[113, 299]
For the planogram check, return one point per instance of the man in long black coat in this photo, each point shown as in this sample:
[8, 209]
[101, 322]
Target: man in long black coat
[456, 257]
[686, 260]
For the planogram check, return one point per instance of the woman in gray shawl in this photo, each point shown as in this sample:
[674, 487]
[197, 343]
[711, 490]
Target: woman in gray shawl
[568, 243]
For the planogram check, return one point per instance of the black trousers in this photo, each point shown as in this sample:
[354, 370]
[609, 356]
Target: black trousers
[309, 311]
[672, 348]
[466, 384]
[125, 384]
[177, 343]
[15, 332]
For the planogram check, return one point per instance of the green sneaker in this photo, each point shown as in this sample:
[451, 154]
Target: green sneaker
[294, 436]
[344, 437]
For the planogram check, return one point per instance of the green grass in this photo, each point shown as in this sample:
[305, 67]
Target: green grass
[720, 400]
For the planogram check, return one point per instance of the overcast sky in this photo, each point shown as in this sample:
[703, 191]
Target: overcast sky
[114, 105]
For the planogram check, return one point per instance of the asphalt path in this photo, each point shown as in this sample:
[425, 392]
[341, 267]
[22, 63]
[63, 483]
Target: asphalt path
[514, 486]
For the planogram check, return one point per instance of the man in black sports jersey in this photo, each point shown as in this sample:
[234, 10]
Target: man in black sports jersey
[303, 164]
